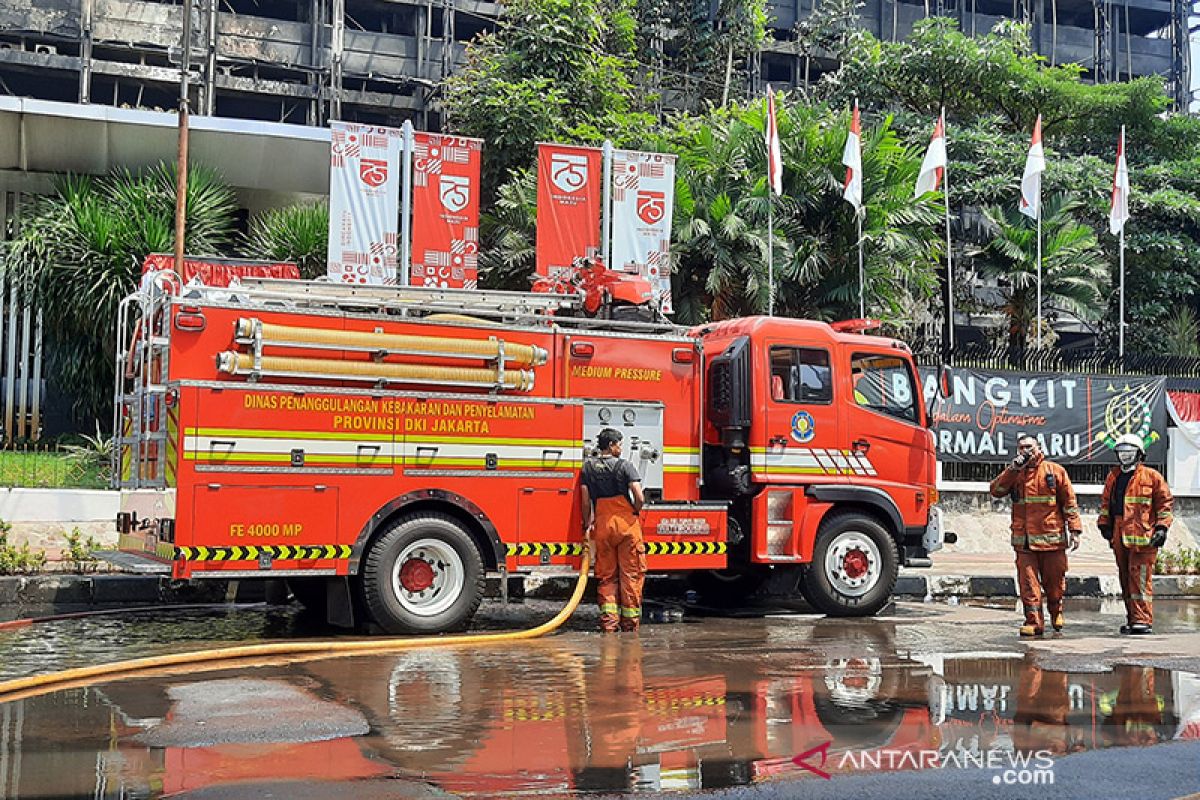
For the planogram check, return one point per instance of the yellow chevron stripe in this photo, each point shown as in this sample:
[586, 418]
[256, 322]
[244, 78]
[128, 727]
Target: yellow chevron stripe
[254, 552]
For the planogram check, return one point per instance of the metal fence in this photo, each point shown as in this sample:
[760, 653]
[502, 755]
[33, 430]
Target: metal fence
[1099, 360]
[22, 388]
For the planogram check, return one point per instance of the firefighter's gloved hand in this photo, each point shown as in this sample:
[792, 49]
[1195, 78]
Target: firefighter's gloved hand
[1074, 538]
[1159, 537]
[1106, 532]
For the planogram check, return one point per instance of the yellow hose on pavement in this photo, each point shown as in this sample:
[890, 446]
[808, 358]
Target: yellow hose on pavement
[200, 660]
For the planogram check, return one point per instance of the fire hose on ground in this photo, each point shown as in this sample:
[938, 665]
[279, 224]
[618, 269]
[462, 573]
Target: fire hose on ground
[219, 658]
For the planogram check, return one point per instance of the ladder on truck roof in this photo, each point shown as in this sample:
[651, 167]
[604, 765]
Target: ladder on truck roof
[495, 304]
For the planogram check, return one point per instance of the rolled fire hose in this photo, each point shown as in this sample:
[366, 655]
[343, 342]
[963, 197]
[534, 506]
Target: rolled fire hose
[241, 363]
[518, 354]
[204, 660]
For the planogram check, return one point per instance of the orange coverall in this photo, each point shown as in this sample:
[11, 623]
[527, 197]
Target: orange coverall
[1148, 504]
[1043, 510]
[620, 564]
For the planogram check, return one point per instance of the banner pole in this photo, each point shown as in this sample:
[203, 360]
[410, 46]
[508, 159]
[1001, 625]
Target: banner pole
[770, 253]
[1039, 275]
[862, 272]
[406, 158]
[949, 246]
[606, 204]
[1121, 302]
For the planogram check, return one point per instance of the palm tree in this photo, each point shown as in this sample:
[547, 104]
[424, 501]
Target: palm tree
[298, 233]
[1074, 273]
[720, 219]
[80, 250]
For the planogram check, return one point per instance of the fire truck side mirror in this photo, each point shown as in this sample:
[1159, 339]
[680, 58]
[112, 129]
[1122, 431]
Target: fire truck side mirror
[729, 393]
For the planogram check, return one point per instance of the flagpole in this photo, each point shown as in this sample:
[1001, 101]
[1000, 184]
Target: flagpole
[606, 204]
[949, 258]
[862, 273]
[406, 192]
[1121, 302]
[1039, 274]
[770, 253]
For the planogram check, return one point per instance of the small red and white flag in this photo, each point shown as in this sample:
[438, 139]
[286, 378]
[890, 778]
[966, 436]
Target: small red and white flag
[1119, 210]
[852, 158]
[774, 156]
[1031, 181]
[933, 168]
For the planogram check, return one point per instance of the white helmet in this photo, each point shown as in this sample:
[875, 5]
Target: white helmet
[1131, 439]
[1130, 449]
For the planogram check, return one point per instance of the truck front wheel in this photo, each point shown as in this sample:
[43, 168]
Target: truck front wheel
[854, 566]
[423, 574]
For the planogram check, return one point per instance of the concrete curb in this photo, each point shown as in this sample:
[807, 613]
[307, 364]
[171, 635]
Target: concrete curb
[1165, 586]
[117, 590]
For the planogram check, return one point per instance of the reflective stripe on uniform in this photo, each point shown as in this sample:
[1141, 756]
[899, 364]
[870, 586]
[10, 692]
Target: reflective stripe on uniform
[1139, 500]
[630, 612]
[608, 608]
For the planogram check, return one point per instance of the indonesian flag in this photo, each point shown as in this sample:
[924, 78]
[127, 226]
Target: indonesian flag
[774, 158]
[1031, 181]
[852, 158]
[1119, 210]
[933, 168]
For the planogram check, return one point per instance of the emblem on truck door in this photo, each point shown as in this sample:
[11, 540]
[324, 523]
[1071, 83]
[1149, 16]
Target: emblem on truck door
[804, 427]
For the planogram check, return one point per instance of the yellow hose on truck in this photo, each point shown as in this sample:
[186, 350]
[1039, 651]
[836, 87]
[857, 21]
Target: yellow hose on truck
[204, 660]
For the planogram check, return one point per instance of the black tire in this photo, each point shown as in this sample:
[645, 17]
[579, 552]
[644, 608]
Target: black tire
[727, 587]
[309, 592]
[832, 586]
[452, 565]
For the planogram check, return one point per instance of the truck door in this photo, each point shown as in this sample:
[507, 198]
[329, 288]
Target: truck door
[800, 437]
[884, 426]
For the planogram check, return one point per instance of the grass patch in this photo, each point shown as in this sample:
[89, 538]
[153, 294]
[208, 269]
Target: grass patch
[51, 469]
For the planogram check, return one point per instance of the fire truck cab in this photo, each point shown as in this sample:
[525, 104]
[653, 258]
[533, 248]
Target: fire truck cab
[384, 449]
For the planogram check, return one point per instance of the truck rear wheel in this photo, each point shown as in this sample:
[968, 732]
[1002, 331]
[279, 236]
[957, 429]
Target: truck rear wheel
[423, 574]
[854, 566]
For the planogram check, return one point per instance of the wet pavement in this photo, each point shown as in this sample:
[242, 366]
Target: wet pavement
[927, 700]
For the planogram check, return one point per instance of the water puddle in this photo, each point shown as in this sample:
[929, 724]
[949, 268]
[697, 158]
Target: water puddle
[684, 708]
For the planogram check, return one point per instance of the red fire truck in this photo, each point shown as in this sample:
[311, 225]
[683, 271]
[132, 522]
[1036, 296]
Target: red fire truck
[386, 448]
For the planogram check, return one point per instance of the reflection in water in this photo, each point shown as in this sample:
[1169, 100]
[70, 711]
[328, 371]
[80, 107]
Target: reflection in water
[725, 704]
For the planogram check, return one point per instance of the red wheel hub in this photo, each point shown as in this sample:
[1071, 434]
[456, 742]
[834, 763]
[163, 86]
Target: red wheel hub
[416, 575]
[855, 564]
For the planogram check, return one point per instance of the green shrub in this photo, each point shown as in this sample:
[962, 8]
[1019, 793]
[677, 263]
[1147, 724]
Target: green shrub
[78, 555]
[18, 560]
[1181, 561]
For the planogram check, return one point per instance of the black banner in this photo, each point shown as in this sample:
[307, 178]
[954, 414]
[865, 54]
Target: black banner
[1077, 418]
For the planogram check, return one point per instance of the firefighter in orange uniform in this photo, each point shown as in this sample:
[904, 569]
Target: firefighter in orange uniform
[1043, 702]
[613, 486]
[1135, 513]
[1045, 521]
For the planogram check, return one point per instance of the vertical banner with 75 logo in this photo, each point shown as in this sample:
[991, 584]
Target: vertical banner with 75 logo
[643, 193]
[445, 229]
[364, 202]
[568, 205]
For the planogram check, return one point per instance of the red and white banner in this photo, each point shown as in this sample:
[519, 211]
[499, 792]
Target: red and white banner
[1118, 211]
[852, 158]
[933, 166]
[1031, 181]
[445, 229]
[643, 195]
[568, 205]
[364, 202]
